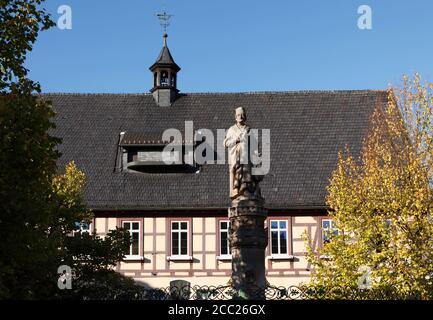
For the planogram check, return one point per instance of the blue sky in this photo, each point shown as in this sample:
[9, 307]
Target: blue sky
[235, 45]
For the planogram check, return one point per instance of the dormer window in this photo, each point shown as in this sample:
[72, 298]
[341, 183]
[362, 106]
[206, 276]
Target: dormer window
[145, 153]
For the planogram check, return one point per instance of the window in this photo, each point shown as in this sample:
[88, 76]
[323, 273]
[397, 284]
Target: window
[224, 238]
[279, 237]
[153, 159]
[179, 238]
[329, 229]
[134, 230]
[164, 79]
[81, 227]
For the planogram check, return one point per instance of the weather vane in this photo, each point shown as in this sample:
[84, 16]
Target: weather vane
[164, 20]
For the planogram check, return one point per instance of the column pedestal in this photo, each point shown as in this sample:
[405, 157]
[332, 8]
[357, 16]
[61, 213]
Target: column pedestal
[248, 240]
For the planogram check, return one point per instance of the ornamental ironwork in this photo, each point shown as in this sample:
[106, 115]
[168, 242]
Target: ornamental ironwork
[187, 292]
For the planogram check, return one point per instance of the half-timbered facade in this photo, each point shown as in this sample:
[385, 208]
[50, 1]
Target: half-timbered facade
[177, 214]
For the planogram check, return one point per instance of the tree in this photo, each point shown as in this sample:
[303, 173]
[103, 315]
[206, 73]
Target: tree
[27, 155]
[92, 260]
[20, 23]
[90, 257]
[382, 205]
[39, 209]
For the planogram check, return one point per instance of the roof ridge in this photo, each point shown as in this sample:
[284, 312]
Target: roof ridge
[291, 92]
[219, 93]
[93, 94]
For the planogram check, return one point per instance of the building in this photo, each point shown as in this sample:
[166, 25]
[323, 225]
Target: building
[177, 214]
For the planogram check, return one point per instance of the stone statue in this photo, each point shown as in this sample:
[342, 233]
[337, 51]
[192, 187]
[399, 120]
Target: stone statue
[247, 236]
[243, 185]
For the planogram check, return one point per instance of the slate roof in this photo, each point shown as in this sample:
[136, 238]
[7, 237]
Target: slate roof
[307, 131]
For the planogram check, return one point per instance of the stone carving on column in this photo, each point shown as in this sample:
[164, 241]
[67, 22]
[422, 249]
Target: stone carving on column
[248, 238]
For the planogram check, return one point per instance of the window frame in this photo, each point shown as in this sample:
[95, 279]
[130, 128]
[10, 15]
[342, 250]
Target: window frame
[221, 256]
[284, 256]
[278, 220]
[322, 234]
[179, 257]
[80, 230]
[138, 256]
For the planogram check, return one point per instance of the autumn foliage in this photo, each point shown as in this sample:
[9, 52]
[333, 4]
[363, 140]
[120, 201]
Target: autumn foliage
[382, 204]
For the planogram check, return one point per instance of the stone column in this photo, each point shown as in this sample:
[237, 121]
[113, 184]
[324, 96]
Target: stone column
[248, 240]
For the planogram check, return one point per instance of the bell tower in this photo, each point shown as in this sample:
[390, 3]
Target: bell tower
[164, 72]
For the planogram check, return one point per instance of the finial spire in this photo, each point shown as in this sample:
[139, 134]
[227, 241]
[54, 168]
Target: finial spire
[165, 39]
[164, 20]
